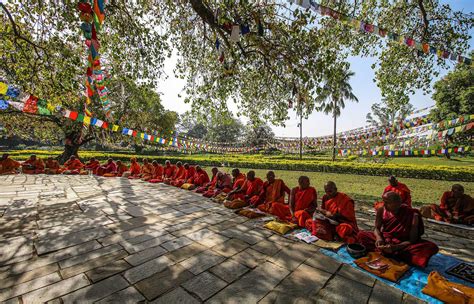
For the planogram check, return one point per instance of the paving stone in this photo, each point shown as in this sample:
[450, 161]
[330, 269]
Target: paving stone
[253, 286]
[351, 273]
[91, 264]
[250, 258]
[179, 295]
[323, 262]
[353, 292]
[280, 297]
[204, 285]
[164, 281]
[409, 299]
[89, 256]
[230, 247]
[267, 247]
[201, 262]
[96, 291]
[52, 244]
[23, 288]
[176, 243]
[107, 270]
[305, 280]
[290, 258]
[125, 296]
[28, 276]
[145, 255]
[383, 293]
[161, 240]
[185, 252]
[229, 270]
[147, 269]
[134, 223]
[56, 290]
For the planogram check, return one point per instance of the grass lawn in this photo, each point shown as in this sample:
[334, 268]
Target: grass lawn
[366, 189]
[433, 161]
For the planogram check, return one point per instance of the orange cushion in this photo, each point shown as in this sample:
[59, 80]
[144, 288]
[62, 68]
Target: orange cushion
[394, 271]
[235, 204]
[440, 288]
[249, 213]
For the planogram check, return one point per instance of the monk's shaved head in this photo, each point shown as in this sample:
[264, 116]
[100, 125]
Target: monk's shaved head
[330, 188]
[197, 168]
[155, 163]
[235, 172]
[393, 180]
[179, 164]
[5, 155]
[214, 170]
[186, 165]
[110, 160]
[167, 162]
[303, 181]
[458, 190]
[251, 175]
[392, 201]
[270, 176]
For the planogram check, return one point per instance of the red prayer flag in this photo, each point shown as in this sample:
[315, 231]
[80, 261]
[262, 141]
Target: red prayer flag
[73, 115]
[31, 105]
[105, 125]
[134, 133]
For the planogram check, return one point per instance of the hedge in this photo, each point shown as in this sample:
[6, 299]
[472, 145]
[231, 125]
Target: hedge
[277, 163]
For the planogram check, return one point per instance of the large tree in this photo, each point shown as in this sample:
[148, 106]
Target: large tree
[258, 134]
[382, 114]
[287, 53]
[454, 93]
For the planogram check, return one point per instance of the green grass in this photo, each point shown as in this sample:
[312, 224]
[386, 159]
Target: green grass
[365, 189]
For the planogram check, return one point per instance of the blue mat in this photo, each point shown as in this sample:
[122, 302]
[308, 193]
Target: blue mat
[414, 279]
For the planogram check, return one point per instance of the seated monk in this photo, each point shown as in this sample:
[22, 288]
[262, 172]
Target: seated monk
[397, 187]
[241, 196]
[188, 173]
[273, 191]
[146, 172]
[209, 185]
[223, 185]
[179, 173]
[92, 166]
[121, 169]
[110, 168]
[157, 173]
[338, 207]
[199, 178]
[8, 165]
[168, 172]
[238, 180]
[72, 166]
[397, 233]
[455, 207]
[134, 171]
[33, 165]
[52, 166]
[302, 203]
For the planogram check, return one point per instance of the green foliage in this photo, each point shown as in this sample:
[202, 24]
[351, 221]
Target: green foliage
[434, 172]
[454, 93]
[258, 134]
[383, 114]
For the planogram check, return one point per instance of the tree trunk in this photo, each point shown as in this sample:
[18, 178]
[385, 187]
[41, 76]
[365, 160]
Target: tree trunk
[334, 134]
[69, 150]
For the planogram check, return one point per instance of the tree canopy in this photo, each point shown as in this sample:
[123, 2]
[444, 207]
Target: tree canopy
[286, 54]
[384, 115]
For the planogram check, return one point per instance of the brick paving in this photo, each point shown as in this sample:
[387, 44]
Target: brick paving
[70, 239]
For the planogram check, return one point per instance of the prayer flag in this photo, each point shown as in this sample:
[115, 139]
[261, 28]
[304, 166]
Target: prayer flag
[3, 88]
[115, 128]
[80, 117]
[73, 115]
[87, 120]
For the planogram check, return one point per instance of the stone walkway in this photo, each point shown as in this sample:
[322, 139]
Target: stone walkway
[87, 239]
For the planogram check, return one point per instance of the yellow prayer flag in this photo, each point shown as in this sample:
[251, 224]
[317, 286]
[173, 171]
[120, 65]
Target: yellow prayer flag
[115, 128]
[87, 120]
[3, 88]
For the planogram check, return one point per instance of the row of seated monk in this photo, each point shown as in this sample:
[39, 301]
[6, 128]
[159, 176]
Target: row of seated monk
[398, 226]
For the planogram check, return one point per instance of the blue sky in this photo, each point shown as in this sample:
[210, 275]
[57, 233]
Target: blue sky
[318, 124]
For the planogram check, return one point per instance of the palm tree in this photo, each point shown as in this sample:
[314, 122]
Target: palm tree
[335, 91]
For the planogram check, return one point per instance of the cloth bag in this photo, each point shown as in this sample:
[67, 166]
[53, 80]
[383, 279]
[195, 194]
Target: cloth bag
[440, 288]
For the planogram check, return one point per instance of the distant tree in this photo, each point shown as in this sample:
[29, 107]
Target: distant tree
[454, 93]
[258, 134]
[335, 91]
[384, 114]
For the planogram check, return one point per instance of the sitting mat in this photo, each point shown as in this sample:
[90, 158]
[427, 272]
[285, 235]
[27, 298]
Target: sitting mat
[414, 279]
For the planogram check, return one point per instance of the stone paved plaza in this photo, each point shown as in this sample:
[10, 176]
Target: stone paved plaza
[89, 239]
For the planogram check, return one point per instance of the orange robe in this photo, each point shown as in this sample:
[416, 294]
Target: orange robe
[52, 167]
[72, 167]
[347, 229]
[248, 190]
[396, 229]
[402, 190]
[208, 186]
[451, 209]
[270, 193]
[157, 174]
[9, 166]
[135, 170]
[224, 185]
[121, 170]
[200, 178]
[188, 174]
[169, 171]
[147, 172]
[92, 165]
[304, 200]
[33, 166]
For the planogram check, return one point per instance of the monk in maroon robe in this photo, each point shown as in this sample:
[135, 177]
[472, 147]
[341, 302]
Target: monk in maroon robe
[209, 185]
[397, 233]
[397, 187]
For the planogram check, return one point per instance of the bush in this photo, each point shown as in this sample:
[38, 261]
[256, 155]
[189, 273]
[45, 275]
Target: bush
[312, 164]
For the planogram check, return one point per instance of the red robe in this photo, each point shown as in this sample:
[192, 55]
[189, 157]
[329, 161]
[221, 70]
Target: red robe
[169, 171]
[304, 199]
[270, 193]
[33, 166]
[52, 167]
[135, 170]
[188, 173]
[347, 230]
[146, 172]
[72, 166]
[200, 178]
[92, 165]
[208, 186]
[396, 229]
[9, 166]
[451, 209]
[224, 185]
[109, 169]
[157, 174]
[249, 189]
[121, 169]
[402, 190]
